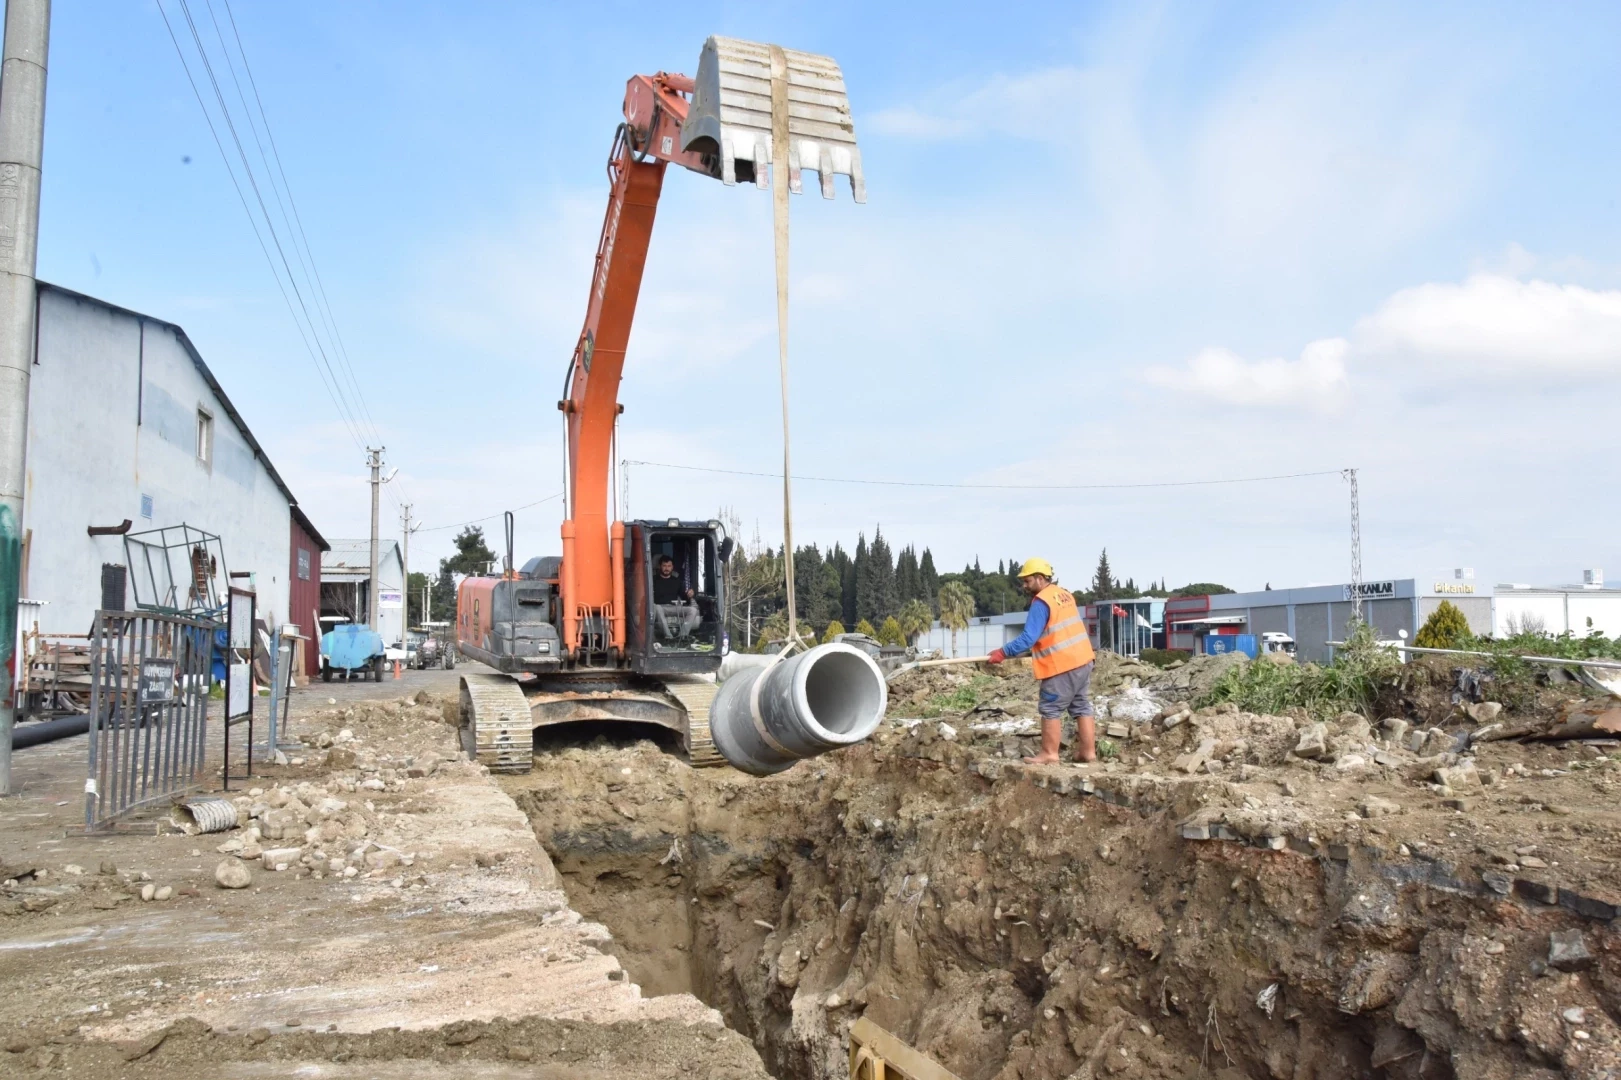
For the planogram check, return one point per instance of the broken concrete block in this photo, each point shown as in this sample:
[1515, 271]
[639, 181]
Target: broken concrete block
[1117, 731]
[1350, 762]
[1484, 712]
[279, 858]
[1372, 806]
[1313, 742]
[1461, 776]
[1395, 730]
[1567, 951]
[1194, 760]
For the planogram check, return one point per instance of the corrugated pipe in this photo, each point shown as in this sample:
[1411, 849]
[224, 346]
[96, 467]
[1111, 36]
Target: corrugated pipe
[765, 719]
[45, 731]
[205, 815]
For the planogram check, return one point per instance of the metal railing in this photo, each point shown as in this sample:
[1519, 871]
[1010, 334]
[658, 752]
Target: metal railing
[149, 676]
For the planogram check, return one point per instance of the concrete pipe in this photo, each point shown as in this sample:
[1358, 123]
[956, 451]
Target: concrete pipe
[765, 719]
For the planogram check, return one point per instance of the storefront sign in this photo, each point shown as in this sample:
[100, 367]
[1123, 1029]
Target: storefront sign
[1457, 588]
[388, 598]
[1373, 590]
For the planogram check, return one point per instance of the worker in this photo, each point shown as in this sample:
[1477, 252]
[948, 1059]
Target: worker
[1062, 659]
[672, 602]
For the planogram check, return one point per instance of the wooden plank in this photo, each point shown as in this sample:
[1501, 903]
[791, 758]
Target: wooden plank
[897, 1060]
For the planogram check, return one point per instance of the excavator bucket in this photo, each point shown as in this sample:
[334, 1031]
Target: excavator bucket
[729, 121]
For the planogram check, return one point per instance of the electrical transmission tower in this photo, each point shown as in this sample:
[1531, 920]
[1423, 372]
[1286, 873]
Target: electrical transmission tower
[1356, 547]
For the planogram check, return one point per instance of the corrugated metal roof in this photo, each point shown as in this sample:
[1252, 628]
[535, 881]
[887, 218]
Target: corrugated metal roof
[350, 560]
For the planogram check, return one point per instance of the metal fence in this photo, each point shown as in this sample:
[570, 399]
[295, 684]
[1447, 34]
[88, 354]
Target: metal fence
[149, 677]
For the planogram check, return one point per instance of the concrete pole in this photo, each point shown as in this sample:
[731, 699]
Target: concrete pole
[405, 573]
[374, 462]
[22, 142]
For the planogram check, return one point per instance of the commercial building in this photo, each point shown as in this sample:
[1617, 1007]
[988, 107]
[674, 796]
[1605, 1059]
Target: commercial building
[130, 438]
[346, 587]
[1316, 615]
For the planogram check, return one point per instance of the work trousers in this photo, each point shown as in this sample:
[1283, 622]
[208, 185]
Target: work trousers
[1068, 691]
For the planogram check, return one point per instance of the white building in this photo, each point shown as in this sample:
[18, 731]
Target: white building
[1578, 610]
[346, 587]
[129, 431]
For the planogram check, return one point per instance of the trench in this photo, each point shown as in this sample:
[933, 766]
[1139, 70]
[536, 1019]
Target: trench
[1002, 929]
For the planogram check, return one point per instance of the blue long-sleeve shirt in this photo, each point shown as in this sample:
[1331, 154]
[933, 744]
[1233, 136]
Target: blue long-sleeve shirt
[1035, 624]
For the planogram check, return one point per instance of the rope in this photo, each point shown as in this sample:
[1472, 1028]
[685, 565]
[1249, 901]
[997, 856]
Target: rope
[779, 221]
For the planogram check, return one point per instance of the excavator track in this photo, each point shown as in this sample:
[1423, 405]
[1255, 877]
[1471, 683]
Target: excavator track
[497, 730]
[696, 695]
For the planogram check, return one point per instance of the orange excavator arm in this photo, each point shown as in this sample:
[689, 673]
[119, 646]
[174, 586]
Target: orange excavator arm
[592, 584]
[717, 124]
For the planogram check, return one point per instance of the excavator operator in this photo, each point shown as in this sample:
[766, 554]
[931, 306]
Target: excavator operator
[673, 603]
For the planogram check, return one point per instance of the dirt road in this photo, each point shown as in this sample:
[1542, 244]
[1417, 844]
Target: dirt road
[448, 919]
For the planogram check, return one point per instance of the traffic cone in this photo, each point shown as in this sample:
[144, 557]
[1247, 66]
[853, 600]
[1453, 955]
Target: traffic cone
[396, 669]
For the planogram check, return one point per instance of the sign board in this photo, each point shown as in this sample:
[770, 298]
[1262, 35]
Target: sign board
[1462, 588]
[241, 619]
[157, 681]
[389, 598]
[1373, 590]
[241, 684]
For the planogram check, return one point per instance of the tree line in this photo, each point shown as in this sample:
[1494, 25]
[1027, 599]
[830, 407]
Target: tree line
[873, 589]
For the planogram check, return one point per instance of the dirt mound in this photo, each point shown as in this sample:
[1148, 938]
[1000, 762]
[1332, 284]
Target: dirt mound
[1193, 678]
[190, 1050]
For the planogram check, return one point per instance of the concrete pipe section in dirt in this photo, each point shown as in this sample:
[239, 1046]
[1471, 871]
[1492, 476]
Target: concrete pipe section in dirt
[765, 719]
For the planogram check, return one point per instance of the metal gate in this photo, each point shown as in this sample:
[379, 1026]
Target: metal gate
[148, 710]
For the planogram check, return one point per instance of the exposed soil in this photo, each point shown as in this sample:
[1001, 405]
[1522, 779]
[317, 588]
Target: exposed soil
[415, 912]
[1120, 920]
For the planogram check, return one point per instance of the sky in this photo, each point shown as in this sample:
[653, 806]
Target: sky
[1104, 244]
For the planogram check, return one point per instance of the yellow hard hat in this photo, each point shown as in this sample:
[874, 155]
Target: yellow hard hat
[1033, 567]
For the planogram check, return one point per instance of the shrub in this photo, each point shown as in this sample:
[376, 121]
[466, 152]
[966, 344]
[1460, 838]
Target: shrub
[1446, 628]
[1354, 682]
[890, 633]
[834, 629]
[865, 627]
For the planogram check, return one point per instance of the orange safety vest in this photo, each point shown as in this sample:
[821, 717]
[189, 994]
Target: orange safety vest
[1063, 646]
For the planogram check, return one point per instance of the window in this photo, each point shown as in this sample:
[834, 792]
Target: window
[303, 564]
[146, 507]
[205, 437]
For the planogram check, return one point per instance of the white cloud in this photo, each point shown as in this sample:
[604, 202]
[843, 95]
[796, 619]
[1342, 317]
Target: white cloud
[1024, 106]
[1315, 381]
[1500, 323]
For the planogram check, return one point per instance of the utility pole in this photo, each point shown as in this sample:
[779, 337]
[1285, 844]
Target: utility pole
[374, 462]
[22, 142]
[1356, 548]
[405, 561]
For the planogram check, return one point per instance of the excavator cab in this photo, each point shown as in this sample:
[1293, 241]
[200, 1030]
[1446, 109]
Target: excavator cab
[675, 589]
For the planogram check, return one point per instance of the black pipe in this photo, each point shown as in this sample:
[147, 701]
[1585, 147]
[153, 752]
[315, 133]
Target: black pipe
[63, 727]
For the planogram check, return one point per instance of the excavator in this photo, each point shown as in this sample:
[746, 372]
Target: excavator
[601, 632]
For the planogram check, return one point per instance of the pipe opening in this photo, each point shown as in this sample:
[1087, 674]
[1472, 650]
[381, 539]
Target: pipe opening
[844, 691]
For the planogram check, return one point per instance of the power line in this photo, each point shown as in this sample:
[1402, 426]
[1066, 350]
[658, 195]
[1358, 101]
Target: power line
[253, 223]
[992, 487]
[270, 226]
[489, 517]
[312, 270]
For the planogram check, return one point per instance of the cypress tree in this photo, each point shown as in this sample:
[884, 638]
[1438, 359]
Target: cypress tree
[862, 606]
[882, 573]
[929, 579]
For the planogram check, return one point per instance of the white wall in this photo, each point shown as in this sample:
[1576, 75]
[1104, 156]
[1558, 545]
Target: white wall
[1560, 611]
[90, 461]
[977, 640]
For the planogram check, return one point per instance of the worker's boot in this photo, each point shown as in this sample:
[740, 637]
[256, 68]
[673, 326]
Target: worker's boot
[1086, 739]
[1051, 732]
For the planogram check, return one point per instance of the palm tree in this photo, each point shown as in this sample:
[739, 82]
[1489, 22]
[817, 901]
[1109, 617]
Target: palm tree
[915, 618]
[956, 608]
